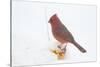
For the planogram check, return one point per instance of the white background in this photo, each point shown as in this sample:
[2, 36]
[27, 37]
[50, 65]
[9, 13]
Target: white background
[5, 27]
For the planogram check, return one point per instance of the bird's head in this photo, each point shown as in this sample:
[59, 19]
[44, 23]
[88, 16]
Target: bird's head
[53, 18]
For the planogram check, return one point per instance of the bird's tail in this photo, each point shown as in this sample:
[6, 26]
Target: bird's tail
[79, 47]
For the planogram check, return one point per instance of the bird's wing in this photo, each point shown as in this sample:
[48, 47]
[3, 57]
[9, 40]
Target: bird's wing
[62, 32]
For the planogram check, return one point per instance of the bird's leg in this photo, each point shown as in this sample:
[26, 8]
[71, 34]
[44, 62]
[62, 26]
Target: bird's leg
[59, 46]
[62, 47]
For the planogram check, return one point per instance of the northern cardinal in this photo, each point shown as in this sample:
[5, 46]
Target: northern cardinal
[62, 34]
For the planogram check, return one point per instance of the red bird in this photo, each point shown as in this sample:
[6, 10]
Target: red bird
[62, 34]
